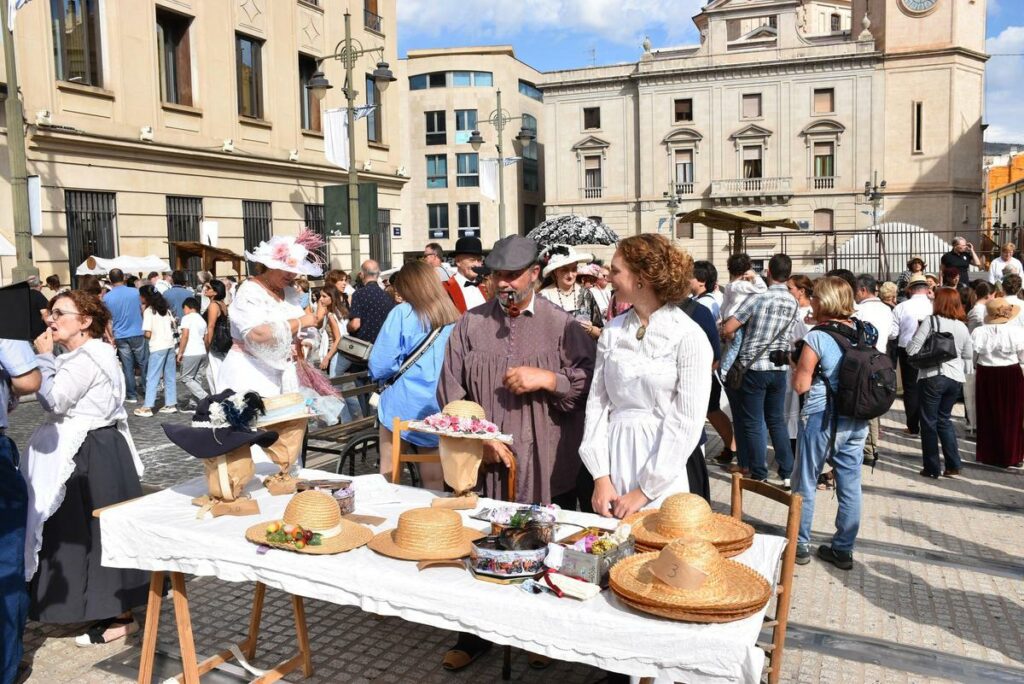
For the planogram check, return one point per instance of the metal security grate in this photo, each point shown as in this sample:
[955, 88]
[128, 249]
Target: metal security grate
[91, 220]
[184, 214]
[380, 240]
[256, 225]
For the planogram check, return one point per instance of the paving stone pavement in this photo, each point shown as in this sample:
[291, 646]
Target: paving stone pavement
[936, 595]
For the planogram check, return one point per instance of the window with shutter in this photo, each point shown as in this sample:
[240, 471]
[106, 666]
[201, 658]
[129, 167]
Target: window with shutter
[752, 161]
[824, 100]
[824, 159]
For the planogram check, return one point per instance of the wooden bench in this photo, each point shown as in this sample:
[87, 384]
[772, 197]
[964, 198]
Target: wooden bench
[351, 439]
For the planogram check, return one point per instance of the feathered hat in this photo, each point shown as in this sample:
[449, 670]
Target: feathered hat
[295, 254]
[222, 423]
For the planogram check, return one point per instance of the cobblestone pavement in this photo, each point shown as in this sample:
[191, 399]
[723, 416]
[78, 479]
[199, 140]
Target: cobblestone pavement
[937, 593]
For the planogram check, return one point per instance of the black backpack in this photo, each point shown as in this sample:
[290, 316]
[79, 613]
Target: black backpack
[867, 377]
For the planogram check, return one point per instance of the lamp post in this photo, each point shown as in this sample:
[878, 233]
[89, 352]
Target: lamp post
[499, 118]
[874, 192]
[348, 52]
[672, 205]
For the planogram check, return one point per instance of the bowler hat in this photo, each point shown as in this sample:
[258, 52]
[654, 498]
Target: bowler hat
[222, 423]
[512, 253]
[469, 245]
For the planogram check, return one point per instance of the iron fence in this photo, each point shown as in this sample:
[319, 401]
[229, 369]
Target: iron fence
[184, 214]
[256, 226]
[91, 222]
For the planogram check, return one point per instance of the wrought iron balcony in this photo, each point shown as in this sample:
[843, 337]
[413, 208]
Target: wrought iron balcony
[751, 190]
[372, 21]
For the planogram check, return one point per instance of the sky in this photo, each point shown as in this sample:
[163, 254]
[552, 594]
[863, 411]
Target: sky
[564, 34]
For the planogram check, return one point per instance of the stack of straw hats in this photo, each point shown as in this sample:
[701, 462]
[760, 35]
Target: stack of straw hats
[689, 517]
[716, 589]
[316, 511]
[427, 534]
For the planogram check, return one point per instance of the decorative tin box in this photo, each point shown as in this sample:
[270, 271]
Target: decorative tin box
[589, 566]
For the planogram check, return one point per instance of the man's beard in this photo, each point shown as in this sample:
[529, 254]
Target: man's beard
[511, 301]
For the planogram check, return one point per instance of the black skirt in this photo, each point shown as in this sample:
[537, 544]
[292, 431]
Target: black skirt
[697, 474]
[71, 585]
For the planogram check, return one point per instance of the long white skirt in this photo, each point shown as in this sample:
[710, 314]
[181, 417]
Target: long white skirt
[243, 372]
[632, 438]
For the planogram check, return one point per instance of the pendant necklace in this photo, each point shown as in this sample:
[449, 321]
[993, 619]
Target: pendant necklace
[572, 300]
[642, 330]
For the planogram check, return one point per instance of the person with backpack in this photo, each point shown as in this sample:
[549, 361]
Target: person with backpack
[840, 379]
[218, 330]
[940, 382]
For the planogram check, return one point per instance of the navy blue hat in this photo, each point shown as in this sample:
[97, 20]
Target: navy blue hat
[222, 423]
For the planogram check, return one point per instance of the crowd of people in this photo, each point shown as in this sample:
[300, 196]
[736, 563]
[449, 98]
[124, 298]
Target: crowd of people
[604, 375]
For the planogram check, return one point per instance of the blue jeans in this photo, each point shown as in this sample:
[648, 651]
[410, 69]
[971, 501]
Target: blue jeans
[937, 395]
[133, 351]
[812, 450]
[351, 410]
[760, 411]
[13, 597]
[162, 364]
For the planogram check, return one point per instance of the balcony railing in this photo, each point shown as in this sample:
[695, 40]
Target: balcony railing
[591, 193]
[372, 21]
[822, 182]
[751, 190]
[684, 188]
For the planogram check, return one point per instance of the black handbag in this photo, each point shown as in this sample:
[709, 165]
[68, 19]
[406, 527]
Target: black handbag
[221, 341]
[938, 348]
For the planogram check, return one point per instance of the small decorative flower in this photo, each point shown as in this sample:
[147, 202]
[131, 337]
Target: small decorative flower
[217, 415]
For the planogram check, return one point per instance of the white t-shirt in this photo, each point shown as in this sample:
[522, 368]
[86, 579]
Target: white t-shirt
[162, 336]
[196, 326]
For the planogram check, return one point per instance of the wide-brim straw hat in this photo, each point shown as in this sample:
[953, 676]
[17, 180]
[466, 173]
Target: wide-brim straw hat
[688, 516]
[317, 511]
[557, 256]
[427, 534]
[998, 310]
[728, 590]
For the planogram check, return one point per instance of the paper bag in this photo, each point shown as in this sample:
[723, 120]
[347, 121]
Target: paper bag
[227, 475]
[460, 461]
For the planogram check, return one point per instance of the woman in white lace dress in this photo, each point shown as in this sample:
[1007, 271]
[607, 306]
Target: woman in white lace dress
[267, 318]
[652, 380]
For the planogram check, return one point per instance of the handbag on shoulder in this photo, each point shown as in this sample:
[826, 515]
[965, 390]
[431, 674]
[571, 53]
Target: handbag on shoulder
[938, 348]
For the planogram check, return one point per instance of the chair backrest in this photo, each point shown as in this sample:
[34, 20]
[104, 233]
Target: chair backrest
[784, 587]
[398, 458]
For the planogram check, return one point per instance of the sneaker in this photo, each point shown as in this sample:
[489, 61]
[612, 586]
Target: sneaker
[724, 457]
[841, 559]
[131, 400]
[1017, 466]
[169, 409]
[925, 473]
[785, 484]
[143, 412]
[803, 554]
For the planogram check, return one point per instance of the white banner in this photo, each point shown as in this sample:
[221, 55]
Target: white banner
[336, 137]
[12, 8]
[489, 178]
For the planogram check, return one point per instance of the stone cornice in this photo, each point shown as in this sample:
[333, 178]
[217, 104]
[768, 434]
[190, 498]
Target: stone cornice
[692, 74]
[49, 141]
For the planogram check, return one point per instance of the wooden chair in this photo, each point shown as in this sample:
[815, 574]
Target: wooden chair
[784, 587]
[398, 458]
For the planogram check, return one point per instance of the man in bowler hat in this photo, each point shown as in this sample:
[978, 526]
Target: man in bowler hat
[464, 287]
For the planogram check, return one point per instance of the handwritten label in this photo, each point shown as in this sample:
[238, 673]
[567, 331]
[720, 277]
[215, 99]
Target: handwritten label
[371, 520]
[677, 573]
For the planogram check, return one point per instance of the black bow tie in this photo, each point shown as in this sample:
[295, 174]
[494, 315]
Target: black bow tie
[471, 283]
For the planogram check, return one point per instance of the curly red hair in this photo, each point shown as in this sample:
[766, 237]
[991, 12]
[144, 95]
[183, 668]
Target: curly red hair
[88, 305]
[662, 266]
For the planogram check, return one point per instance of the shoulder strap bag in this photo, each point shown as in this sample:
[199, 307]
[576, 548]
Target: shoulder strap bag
[409, 362]
[734, 378]
[939, 346]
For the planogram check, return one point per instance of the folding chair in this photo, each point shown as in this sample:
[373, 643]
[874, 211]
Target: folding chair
[784, 587]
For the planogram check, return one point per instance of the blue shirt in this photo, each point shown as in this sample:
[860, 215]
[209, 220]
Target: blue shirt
[175, 297]
[414, 396]
[371, 305]
[126, 309]
[16, 358]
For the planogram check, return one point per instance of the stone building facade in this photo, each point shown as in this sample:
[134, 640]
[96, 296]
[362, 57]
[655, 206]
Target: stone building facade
[146, 118]
[786, 109]
[446, 94]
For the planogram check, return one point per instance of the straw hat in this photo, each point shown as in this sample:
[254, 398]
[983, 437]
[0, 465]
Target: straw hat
[292, 253]
[556, 256]
[721, 590]
[998, 310]
[426, 534]
[317, 511]
[689, 517]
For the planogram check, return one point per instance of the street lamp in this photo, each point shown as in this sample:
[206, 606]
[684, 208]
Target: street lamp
[500, 118]
[348, 51]
[874, 192]
[672, 205]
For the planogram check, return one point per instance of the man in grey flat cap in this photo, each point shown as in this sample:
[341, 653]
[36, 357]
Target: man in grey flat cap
[529, 365]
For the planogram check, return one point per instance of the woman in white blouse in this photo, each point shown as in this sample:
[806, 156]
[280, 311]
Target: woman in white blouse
[652, 379]
[999, 354]
[158, 327]
[80, 459]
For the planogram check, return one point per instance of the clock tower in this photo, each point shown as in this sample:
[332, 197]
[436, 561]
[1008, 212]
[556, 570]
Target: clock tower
[932, 76]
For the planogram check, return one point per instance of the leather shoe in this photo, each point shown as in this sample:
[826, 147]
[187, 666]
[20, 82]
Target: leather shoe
[951, 472]
[925, 473]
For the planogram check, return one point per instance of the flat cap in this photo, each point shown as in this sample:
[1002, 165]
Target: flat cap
[512, 253]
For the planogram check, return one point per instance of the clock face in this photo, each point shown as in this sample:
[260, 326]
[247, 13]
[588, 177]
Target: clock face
[918, 6]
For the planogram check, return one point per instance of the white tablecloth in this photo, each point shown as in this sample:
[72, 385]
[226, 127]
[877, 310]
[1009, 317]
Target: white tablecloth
[161, 532]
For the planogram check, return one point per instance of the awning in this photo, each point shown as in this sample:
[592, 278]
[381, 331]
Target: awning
[128, 264]
[735, 221]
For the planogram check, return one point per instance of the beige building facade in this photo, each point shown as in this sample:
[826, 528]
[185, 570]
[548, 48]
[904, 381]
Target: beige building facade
[149, 119]
[446, 94]
[786, 108]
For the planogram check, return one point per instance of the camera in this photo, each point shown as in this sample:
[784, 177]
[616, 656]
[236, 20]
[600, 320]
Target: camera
[783, 357]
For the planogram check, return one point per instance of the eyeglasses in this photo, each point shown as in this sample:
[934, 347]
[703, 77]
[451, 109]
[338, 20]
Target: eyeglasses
[55, 314]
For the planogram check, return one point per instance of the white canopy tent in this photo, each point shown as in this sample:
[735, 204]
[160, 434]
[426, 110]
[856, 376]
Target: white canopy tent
[128, 264]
